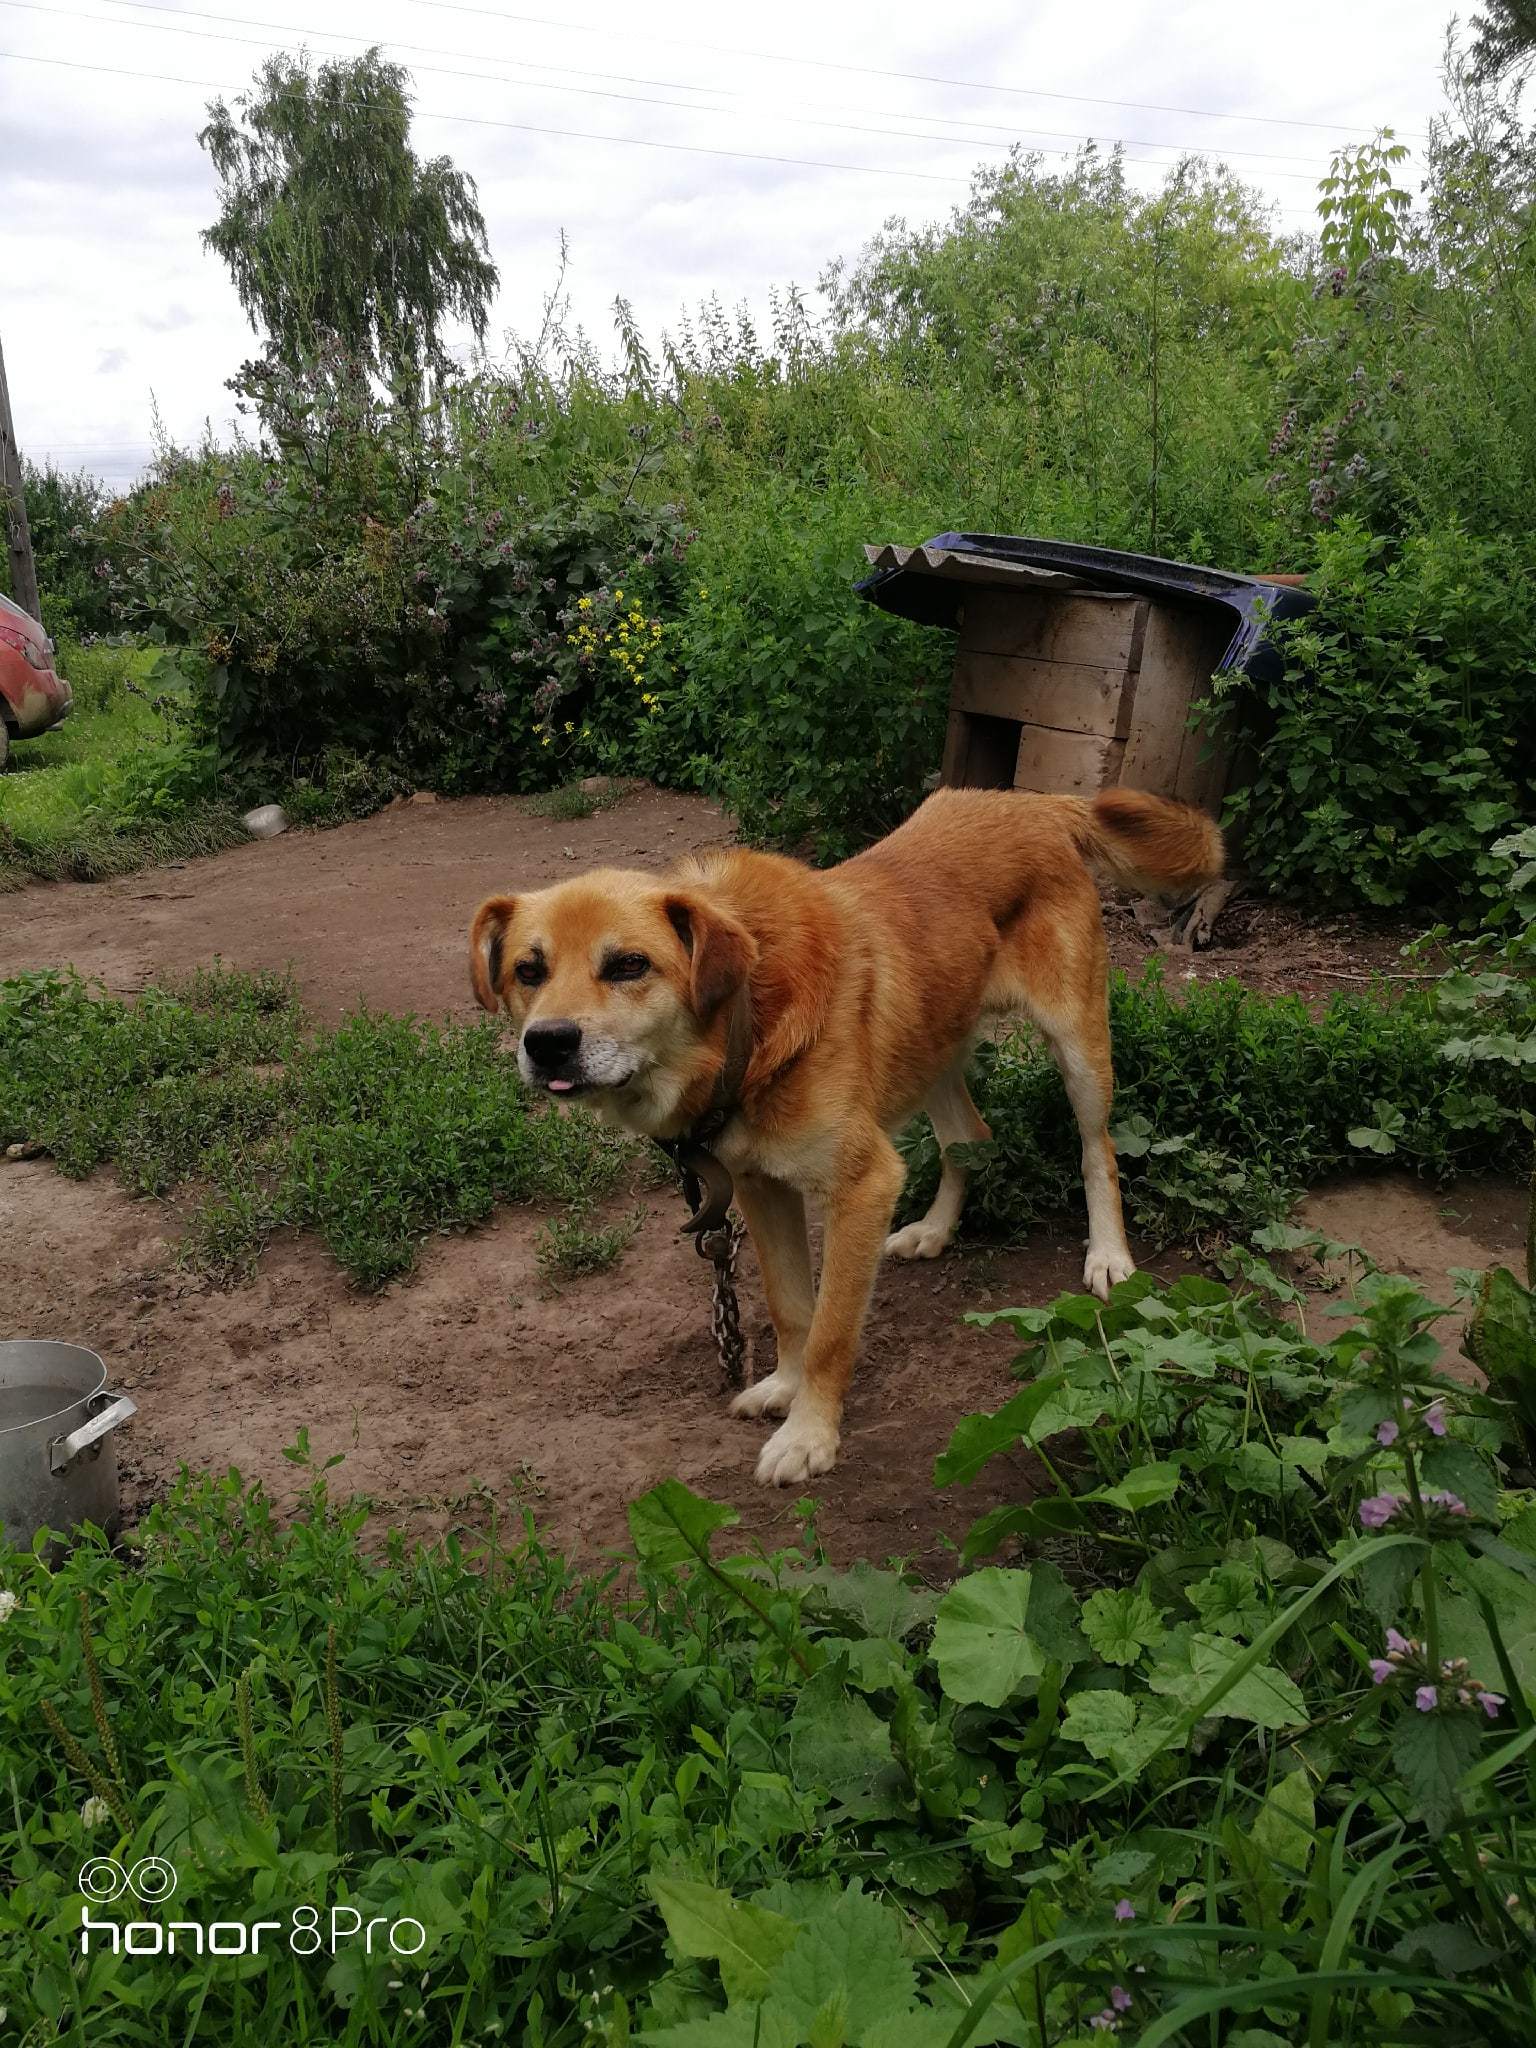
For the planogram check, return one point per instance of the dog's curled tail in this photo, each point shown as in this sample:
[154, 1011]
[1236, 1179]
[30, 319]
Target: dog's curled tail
[1152, 844]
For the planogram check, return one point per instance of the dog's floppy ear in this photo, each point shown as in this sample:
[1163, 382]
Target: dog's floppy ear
[721, 952]
[486, 937]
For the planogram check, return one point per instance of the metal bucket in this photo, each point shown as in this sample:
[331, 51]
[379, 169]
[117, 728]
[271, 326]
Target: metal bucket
[58, 1466]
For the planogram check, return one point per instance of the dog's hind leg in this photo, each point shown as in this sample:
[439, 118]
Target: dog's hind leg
[1054, 968]
[1081, 1051]
[775, 1218]
[956, 1121]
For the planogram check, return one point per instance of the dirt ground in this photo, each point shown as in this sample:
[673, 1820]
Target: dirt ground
[377, 911]
[472, 1381]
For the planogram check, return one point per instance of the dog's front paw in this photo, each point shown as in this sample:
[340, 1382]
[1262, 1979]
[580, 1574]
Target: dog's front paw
[1102, 1269]
[805, 1446]
[771, 1396]
[917, 1241]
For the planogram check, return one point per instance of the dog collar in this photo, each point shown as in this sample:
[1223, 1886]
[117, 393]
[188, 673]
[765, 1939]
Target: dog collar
[707, 1185]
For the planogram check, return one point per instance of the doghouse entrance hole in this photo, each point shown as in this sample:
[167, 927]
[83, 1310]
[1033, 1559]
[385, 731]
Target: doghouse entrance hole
[991, 751]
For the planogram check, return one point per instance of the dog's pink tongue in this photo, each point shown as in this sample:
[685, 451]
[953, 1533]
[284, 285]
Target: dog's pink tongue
[561, 1087]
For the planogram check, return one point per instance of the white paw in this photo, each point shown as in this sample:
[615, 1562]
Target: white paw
[917, 1241]
[771, 1396]
[1101, 1269]
[803, 1447]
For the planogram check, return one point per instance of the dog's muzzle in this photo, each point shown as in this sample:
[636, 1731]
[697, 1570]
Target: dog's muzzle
[557, 1055]
[552, 1049]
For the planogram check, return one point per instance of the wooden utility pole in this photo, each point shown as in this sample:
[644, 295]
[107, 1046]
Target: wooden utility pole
[13, 505]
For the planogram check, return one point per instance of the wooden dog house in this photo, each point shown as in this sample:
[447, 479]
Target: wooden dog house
[1076, 669]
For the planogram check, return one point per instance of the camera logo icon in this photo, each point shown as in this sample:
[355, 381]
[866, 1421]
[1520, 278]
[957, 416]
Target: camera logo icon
[151, 1880]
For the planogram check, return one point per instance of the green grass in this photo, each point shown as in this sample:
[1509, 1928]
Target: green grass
[1229, 1105]
[724, 1801]
[570, 1247]
[116, 787]
[384, 1131]
[571, 801]
[375, 1135]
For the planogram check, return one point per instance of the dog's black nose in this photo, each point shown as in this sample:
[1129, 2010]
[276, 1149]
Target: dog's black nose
[551, 1043]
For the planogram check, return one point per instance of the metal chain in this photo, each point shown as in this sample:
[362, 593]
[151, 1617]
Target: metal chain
[721, 1246]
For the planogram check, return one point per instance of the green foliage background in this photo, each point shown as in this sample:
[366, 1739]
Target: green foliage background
[404, 576]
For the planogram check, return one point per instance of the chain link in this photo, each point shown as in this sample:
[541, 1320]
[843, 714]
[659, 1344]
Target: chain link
[721, 1246]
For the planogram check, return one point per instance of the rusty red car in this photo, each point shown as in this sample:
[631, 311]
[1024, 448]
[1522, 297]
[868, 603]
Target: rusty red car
[33, 695]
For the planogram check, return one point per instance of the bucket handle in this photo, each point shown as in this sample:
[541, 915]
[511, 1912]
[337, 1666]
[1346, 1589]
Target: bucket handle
[63, 1450]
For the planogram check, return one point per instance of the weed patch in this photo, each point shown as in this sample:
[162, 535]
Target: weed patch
[1268, 1759]
[572, 800]
[116, 787]
[384, 1131]
[1229, 1104]
[569, 1247]
[374, 1135]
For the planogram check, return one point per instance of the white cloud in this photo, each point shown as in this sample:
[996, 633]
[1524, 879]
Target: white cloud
[104, 190]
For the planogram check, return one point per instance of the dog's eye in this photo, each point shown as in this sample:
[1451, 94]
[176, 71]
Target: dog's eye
[626, 967]
[530, 972]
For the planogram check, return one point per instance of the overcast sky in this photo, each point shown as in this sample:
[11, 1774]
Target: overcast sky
[111, 311]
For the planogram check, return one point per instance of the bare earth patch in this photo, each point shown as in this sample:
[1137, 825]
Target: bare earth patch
[475, 1374]
[374, 912]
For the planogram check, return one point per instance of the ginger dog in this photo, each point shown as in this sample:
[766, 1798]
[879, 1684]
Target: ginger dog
[868, 984]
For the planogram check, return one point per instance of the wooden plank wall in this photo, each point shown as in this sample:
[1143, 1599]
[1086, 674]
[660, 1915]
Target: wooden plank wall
[1096, 687]
[1062, 671]
[1179, 654]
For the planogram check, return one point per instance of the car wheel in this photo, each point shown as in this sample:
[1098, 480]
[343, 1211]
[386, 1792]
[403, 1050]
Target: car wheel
[5, 744]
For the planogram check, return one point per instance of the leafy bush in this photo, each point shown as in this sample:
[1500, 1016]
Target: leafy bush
[813, 716]
[1228, 1105]
[1258, 1769]
[367, 587]
[1066, 355]
[63, 517]
[1402, 733]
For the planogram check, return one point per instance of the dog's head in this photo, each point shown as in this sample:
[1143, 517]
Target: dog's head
[613, 981]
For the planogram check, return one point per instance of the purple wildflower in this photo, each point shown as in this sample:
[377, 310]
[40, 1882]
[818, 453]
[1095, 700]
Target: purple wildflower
[1434, 1418]
[1105, 2021]
[1398, 1643]
[1382, 1669]
[1491, 1702]
[1452, 1503]
[1376, 1512]
[1387, 1433]
[1124, 1910]
[1426, 1699]
[1120, 1998]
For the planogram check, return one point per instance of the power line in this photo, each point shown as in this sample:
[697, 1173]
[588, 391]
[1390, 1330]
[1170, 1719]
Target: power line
[591, 92]
[575, 134]
[629, 78]
[913, 77]
[527, 127]
[493, 78]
